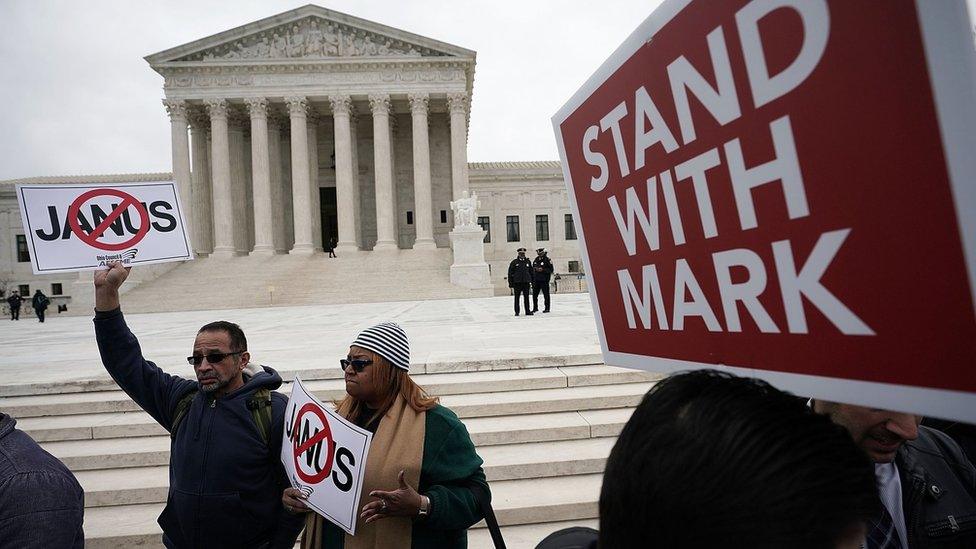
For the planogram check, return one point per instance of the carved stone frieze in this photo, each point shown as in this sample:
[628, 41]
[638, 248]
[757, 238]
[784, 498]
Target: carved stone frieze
[297, 77]
[312, 37]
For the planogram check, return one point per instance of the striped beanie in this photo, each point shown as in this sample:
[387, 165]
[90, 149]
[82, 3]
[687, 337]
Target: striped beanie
[387, 340]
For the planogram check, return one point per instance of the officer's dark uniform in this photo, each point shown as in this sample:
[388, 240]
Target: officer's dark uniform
[541, 271]
[520, 279]
[14, 302]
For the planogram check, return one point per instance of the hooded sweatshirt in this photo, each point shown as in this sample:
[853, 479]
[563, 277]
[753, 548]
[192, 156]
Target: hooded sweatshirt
[225, 483]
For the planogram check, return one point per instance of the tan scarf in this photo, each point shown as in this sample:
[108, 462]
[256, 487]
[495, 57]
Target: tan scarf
[397, 445]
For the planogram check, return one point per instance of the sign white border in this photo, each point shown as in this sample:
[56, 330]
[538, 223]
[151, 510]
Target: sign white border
[32, 237]
[951, 59]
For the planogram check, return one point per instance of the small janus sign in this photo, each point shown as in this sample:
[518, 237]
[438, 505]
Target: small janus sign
[324, 457]
[786, 189]
[84, 227]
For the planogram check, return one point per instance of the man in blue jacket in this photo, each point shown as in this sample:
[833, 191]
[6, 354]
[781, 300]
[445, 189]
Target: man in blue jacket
[41, 502]
[225, 479]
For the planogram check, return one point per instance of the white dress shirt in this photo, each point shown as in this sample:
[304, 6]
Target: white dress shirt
[889, 488]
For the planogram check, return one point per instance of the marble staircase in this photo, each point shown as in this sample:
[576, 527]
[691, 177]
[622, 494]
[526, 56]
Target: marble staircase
[543, 431]
[293, 279]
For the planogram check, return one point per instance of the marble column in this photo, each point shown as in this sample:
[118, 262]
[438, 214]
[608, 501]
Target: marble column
[300, 185]
[287, 196]
[238, 175]
[261, 173]
[345, 195]
[223, 210]
[277, 191]
[356, 183]
[458, 105]
[201, 209]
[423, 206]
[383, 173]
[313, 177]
[181, 157]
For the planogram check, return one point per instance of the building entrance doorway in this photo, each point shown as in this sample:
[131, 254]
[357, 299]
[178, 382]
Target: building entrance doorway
[330, 216]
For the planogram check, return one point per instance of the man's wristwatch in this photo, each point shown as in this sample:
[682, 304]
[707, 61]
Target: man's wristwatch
[424, 506]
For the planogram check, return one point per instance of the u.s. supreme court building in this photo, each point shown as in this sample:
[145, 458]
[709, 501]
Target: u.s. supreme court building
[314, 127]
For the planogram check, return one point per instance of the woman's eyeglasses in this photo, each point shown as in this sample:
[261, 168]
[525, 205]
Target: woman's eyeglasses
[212, 358]
[358, 364]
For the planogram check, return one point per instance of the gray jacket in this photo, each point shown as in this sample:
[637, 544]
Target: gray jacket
[938, 492]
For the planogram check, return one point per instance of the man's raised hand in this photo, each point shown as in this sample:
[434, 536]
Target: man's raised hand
[107, 283]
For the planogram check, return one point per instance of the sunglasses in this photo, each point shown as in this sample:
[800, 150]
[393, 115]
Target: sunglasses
[212, 358]
[358, 364]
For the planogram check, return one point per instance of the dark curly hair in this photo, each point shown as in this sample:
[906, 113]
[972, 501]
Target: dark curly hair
[709, 459]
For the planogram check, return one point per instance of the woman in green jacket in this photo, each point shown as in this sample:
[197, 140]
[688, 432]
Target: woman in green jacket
[416, 443]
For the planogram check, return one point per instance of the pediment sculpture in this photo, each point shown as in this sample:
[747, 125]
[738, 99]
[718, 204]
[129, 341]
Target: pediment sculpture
[312, 37]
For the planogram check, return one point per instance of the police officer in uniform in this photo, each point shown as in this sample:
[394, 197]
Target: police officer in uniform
[541, 271]
[520, 279]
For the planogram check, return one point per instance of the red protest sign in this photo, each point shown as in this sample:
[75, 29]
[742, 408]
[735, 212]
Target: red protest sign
[92, 238]
[783, 188]
[315, 445]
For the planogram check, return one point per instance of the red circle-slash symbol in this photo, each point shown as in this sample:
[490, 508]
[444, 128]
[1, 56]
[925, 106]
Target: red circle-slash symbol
[92, 238]
[325, 436]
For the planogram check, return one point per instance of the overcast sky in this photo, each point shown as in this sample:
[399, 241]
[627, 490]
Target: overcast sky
[76, 96]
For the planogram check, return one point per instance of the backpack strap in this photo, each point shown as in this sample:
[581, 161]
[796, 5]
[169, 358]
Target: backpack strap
[261, 410]
[180, 412]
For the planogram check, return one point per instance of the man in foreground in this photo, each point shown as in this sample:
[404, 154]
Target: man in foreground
[225, 473]
[41, 502]
[926, 484]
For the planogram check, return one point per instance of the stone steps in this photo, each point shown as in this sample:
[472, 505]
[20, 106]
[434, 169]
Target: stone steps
[298, 279]
[149, 451]
[569, 399]
[601, 397]
[570, 499]
[334, 389]
[526, 461]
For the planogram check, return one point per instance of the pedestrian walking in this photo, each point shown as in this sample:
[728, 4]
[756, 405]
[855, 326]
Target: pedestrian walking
[40, 302]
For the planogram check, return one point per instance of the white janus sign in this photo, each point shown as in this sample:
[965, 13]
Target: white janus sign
[325, 457]
[84, 227]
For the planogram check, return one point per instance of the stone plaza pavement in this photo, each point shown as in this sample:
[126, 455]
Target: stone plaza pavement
[306, 338]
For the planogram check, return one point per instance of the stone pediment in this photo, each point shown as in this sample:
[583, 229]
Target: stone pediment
[307, 34]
